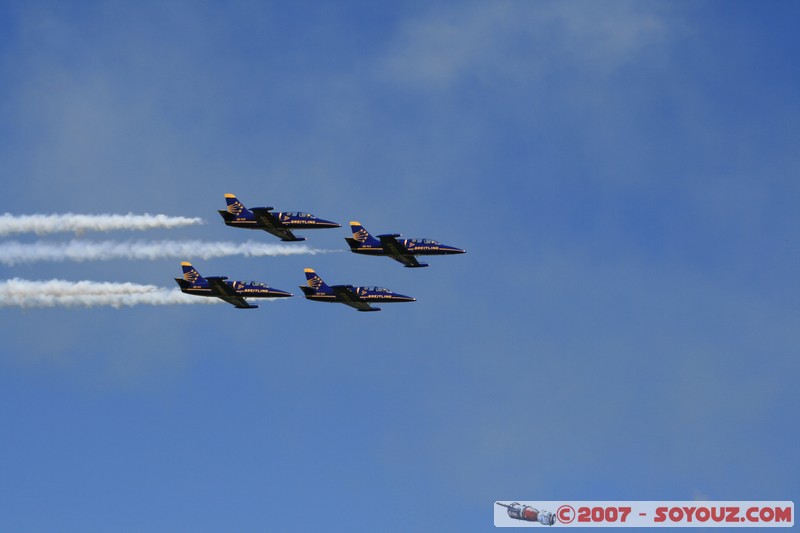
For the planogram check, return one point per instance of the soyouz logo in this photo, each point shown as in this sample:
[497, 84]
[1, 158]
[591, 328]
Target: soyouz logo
[529, 514]
[644, 514]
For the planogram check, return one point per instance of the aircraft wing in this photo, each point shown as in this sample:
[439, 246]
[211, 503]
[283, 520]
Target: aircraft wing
[225, 292]
[348, 297]
[271, 224]
[398, 252]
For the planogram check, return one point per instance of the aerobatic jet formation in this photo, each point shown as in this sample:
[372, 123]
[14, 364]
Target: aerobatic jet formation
[233, 292]
[278, 223]
[356, 297]
[402, 250]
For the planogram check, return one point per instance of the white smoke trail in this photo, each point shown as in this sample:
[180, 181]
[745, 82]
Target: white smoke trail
[60, 293]
[13, 252]
[43, 224]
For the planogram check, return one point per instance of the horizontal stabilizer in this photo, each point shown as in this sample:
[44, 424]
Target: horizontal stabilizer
[227, 217]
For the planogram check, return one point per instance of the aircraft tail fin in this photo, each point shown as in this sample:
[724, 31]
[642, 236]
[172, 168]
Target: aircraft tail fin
[361, 235]
[190, 274]
[235, 207]
[315, 282]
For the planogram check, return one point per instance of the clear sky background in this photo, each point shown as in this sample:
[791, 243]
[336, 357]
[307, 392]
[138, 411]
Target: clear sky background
[624, 176]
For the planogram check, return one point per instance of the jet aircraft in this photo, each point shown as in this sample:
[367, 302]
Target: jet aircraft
[356, 297]
[402, 250]
[233, 292]
[279, 224]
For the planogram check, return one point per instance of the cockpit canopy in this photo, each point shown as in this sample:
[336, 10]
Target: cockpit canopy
[258, 284]
[299, 214]
[424, 241]
[376, 289]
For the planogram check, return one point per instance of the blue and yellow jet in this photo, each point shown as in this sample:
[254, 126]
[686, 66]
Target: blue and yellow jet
[356, 297]
[233, 292]
[402, 250]
[279, 224]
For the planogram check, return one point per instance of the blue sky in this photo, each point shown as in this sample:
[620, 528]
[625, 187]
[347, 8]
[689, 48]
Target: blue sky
[624, 176]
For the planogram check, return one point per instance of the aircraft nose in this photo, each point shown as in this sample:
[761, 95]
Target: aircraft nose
[327, 224]
[283, 294]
